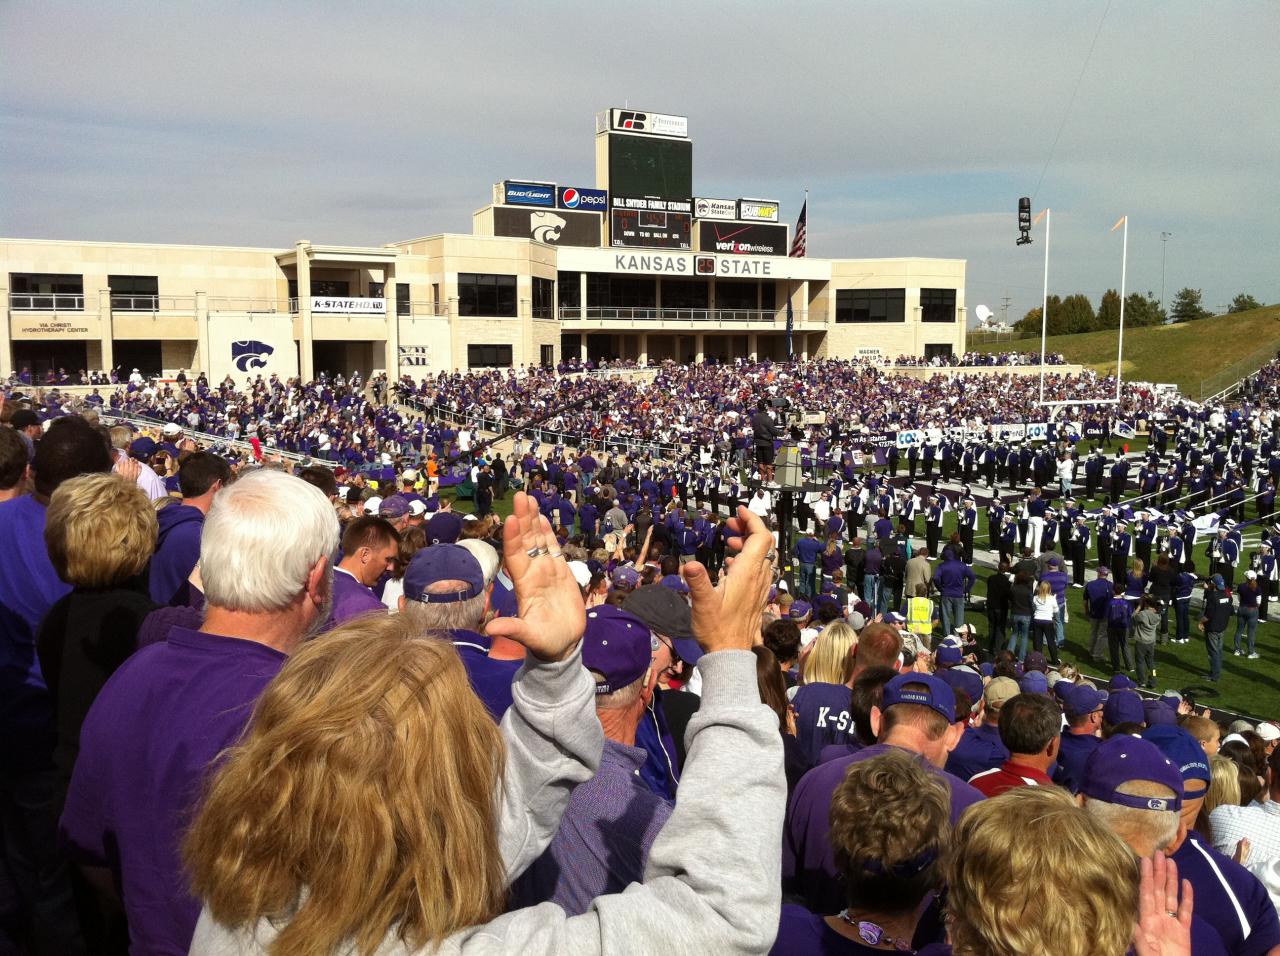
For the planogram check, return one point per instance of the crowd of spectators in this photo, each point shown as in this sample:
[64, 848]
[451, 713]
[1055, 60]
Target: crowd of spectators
[250, 709]
[979, 360]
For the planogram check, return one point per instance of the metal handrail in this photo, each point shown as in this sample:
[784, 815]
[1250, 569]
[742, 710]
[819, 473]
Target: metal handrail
[210, 440]
[153, 303]
[246, 304]
[645, 313]
[46, 302]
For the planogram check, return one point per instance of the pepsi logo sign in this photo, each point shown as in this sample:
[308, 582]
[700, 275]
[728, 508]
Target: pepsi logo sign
[588, 200]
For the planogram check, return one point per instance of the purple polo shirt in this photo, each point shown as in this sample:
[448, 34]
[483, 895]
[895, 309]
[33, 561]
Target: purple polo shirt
[146, 748]
[603, 841]
[822, 718]
[1229, 898]
[490, 678]
[808, 862]
[351, 598]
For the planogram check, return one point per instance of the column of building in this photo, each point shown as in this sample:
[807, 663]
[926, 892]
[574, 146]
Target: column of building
[6, 338]
[306, 366]
[393, 324]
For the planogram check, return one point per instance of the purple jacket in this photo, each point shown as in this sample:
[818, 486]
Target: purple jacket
[177, 551]
[351, 598]
[953, 578]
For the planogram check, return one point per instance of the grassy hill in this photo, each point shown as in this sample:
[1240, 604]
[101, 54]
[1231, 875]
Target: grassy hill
[1199, 357]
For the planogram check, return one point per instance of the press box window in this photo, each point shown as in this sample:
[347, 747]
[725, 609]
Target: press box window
[544, 298]
[134, 293]
[488, 356]
[938, 305]
[871, 305]
[480, 294]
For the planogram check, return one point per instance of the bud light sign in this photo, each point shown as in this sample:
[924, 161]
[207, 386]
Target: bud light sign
[528, 194]
[588, 200]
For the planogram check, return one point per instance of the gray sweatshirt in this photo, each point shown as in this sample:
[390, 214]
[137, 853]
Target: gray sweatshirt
[713, 879]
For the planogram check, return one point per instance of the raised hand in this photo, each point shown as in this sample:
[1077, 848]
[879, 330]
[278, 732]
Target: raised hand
[727, 617]
[1164, 922]
[552, 615]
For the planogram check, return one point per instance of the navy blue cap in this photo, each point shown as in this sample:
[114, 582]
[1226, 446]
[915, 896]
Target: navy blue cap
[961, 678]
[1181, 748]
[444, 527]
[926, 690]
[616, 646]
[1126, 759]
[443, 562]
[1079, 699]
[1034, 682]
[1157, 713]
[1123, 707]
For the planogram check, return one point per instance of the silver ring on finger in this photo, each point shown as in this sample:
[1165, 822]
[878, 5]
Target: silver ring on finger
[534, 552]
[771, 556]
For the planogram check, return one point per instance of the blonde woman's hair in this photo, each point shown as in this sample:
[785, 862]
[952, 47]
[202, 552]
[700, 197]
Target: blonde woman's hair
[100, 530]
[1031, 872]
[1138, 567]
[1224, 788]
[1044, 590]
[361, 803]
[827, 661]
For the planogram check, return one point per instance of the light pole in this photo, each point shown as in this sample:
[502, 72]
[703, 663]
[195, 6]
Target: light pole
[1047, 216]
[1124, 262]
[1164, 246]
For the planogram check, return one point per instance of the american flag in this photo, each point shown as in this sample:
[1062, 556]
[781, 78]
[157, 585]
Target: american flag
[799, 243]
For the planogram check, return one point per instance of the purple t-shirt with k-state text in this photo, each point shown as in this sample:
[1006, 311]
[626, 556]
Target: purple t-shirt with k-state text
[808, 861]
[146, 748]
[822, 717]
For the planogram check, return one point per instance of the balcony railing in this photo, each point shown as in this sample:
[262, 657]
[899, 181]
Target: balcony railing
[153, 303]
[640, 314]
[46, 302]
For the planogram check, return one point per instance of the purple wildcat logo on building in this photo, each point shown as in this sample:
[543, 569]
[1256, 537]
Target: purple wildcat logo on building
[247, 355]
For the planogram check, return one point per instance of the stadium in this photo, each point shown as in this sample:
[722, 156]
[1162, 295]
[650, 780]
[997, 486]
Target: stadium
[635, 268]
[619, 577]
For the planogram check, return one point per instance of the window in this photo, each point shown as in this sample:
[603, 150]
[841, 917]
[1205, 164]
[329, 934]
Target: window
[544, 298]
[402, 299]
[331, 288]
[376, 289]
[480, 294]
[488, 356]
[871, 305]
[937, 351]
[768, 296]
[570, 290]
[46, 291]
[684, 293]
[938, 305]
[133, 293]
[620, 292]
[435, 297]
[736, 295]
[548, 353]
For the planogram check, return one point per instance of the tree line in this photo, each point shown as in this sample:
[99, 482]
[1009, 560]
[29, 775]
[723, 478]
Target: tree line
[1075, 313]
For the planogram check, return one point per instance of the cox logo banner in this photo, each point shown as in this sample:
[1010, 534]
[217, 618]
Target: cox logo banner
[588, 200]
[909, 438]
[1038, 431]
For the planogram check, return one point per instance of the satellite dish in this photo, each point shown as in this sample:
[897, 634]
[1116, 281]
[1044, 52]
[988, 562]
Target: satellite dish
[983, 313]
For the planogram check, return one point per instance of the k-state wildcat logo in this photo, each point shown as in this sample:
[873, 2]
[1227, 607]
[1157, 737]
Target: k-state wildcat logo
[247, 355]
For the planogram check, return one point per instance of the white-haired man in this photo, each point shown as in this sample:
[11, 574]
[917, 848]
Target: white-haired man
[266, 556]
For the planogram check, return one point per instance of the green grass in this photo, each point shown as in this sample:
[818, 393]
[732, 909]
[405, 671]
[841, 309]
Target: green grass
[1199, 357]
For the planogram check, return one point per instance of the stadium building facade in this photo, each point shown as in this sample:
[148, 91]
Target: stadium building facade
[635, 267]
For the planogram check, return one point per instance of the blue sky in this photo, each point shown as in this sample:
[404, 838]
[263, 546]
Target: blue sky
[916, 125]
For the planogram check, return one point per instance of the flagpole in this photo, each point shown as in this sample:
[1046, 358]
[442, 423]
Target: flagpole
[1124, 262]
[1044, 307]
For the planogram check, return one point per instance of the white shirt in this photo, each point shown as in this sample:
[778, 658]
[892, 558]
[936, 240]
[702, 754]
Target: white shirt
[1259, 822]
[149, 482]
[761, 504]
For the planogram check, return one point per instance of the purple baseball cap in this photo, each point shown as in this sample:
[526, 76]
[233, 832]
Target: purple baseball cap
[1182, 749]
[1157, 713]
[948, 655]
[961, 678]
[1125, 759]
[1034, 682]
[397, 506]
[1121, 682]
[1123, 707]
[626, 577]
[926, 690]
[1035, 661]
[675, 583]
[616, 646]
[443, 562]
[1079, 700]
[799, 610]
[444, 527]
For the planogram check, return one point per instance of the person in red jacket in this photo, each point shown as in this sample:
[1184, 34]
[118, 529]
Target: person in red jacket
[1031, 727]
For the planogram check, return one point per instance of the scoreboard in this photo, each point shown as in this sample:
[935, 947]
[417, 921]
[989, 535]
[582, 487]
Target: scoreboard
[650, 223]
[650, 166]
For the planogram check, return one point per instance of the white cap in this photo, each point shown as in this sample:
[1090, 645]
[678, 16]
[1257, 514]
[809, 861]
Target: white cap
[1251, 575]
[372, 505]
[409, 475]
[581, 573]
[1268, 731]
[171, 428]
[417, 507]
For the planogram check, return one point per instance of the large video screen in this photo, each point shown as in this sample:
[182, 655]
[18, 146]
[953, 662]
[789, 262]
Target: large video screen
[649, 166]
